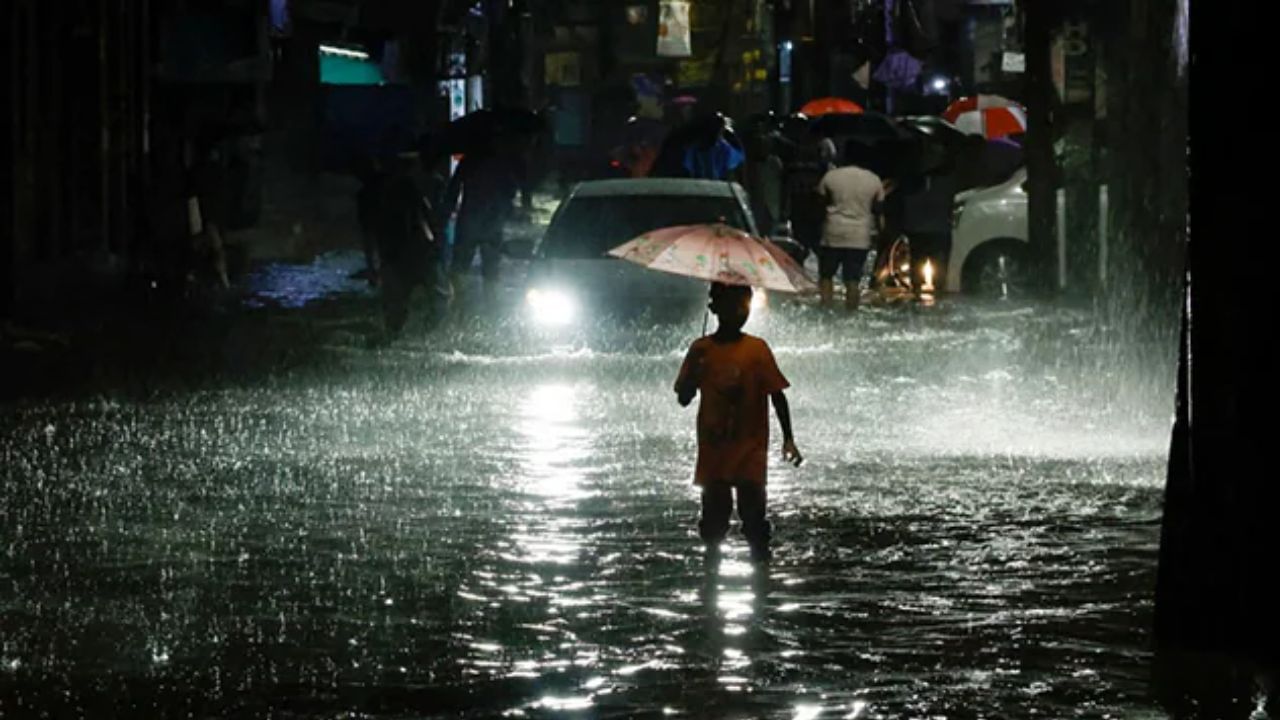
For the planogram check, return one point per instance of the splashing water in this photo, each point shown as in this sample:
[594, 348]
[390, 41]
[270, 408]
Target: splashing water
[492, 521]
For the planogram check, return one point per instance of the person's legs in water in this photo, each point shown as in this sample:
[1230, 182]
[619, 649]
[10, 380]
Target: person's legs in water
[491, 262]
[752, 504]
[372, 264]
[396, 290]
[366, 213]
[483, 235]
[466, 242]
[851, 262]
[439, 292]
[717, 506]
[219, 250]
[828, 263]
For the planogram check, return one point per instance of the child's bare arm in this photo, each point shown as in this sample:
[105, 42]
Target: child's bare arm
[789, 451]
[687, 381]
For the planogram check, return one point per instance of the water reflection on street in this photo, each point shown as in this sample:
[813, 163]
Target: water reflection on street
[491, 521]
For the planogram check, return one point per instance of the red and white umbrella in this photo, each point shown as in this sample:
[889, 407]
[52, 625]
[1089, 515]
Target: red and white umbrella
[990, 116]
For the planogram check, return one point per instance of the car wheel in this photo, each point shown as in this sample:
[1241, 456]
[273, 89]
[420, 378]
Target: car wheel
[998, 269]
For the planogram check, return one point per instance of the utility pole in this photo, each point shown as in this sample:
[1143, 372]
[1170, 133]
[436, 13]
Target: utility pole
[1038, 19]
[1080, 174]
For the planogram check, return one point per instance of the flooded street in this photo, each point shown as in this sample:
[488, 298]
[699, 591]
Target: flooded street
[496, 521]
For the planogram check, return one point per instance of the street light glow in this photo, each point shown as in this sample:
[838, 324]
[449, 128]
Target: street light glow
[344, 52]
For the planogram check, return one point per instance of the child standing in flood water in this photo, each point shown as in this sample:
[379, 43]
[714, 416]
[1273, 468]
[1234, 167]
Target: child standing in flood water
[735, 373]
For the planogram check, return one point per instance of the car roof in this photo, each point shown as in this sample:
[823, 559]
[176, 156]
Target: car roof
[655, 186]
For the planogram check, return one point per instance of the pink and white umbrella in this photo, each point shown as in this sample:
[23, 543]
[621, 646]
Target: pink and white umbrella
[990, 116]
[717, 253]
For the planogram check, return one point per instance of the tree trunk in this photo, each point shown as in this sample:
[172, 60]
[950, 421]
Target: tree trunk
[1080, 173]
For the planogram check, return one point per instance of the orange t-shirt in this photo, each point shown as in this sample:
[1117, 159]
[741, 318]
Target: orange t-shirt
[735, 380]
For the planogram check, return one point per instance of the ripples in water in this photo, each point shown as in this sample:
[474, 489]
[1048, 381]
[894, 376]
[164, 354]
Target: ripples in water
[473, 524]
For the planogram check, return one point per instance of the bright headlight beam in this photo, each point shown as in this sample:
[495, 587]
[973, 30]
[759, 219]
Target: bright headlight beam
[551, 307]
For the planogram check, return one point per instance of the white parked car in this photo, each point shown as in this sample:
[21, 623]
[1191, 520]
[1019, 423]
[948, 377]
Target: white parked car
[989, 238]
[571, 275]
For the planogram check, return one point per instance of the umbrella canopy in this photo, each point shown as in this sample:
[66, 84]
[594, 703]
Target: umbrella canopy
[994, 123]
[899, 70]
[975, 102]
[1000, 159]
[866, 126]
[938, 129]
[829, 105]
[762, 122]
[986, 163]
[478, 129]
[717, 253]
[990, 116]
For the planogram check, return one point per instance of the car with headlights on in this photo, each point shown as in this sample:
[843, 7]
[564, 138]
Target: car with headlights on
[572, 277]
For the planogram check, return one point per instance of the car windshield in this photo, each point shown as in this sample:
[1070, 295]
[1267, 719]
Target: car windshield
[588, 227]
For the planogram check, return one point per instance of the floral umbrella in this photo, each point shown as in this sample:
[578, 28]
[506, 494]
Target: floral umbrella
[717, 253]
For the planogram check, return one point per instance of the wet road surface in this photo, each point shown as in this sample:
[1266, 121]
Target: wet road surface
[495, 521]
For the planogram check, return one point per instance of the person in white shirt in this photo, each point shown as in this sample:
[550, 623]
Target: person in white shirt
[853, 196]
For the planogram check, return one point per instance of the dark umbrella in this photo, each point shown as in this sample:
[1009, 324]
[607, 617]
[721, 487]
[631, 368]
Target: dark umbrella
[941, 145]
[984, 163]
[478, 129]
[702, 130]
[890, 159]
[936, 129]
[865, 127]
[999, 160]
[762, 124]
[870, 140]
[644, 131]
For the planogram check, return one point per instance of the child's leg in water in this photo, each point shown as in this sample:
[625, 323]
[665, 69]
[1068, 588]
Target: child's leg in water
[717, 506]
[752, 504]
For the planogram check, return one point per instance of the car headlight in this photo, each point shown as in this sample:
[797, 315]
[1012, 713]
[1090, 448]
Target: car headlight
[551, 307]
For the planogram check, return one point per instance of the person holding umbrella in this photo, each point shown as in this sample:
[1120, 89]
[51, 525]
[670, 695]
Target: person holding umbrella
[482, 192]
[405, 246]
[735, 374]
